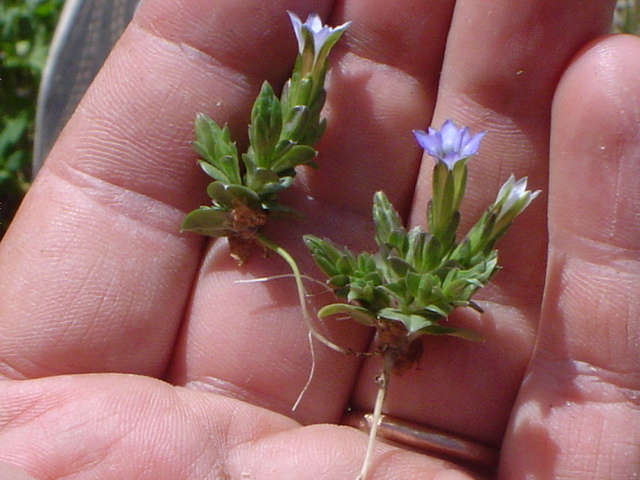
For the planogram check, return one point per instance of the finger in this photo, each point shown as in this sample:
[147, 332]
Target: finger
[503, 81]
[9, 472]
[383, 71]
[132, 427]
[578, 409]
[500, 70]
[94, 273]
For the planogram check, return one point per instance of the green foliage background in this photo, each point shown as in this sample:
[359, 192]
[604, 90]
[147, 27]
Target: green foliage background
[26, 29]
[627, 17]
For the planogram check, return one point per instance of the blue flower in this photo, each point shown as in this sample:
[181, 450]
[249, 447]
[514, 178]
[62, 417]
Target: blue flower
[450, 144]
[323, 36]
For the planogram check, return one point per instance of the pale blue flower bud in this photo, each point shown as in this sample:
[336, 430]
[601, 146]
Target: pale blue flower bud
[321, 35]
[512, 199]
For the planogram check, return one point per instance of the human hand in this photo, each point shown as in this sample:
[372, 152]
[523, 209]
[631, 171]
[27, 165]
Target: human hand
[130, 350]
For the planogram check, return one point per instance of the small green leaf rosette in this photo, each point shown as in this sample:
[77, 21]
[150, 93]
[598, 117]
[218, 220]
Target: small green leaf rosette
[282, 136]
[406, 281]
[417, 278]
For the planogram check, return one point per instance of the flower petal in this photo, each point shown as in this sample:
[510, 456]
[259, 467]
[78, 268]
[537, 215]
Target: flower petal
[297, 29]
[471, 147]
[430, 142]
[449, 144]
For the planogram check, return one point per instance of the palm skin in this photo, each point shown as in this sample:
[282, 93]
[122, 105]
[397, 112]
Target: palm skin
[130, 351]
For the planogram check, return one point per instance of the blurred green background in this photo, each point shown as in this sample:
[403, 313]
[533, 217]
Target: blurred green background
[26, 30]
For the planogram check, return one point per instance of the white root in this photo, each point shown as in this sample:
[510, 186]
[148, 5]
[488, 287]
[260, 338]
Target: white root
[383, 385]
[302, 299]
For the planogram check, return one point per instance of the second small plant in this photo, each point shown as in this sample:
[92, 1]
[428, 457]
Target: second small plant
[410, 286]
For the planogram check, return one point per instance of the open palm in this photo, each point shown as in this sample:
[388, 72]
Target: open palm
[131, 351]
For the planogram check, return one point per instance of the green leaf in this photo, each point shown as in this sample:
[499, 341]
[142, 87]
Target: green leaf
[213, 171]
[442, 310]
[266, 126]
[215, 147]
[305, 88]
[231, 195]
[316, 125]
[398, 267]
[314, 134]
[359, 314]
[397, 242]
[261, 177]
[459, 174]
[346, 264]
[385, 218]
[464, 333]
[428, 291]
[244, 195]
[413, 281]
[398, 290]
[207, 221]
[278, 210]
[412, 322]
[13, 130]
[366, 264]
[297, 122]
[284, 96]
[219, 194]
[340, 280]
[461, 288]
[281, 183]
[294, 156]
[326, 255]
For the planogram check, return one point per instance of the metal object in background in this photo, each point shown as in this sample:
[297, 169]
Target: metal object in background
[428, 440]
[86, 32]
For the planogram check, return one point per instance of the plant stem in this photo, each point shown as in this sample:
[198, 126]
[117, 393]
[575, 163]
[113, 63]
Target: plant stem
[302, 293]
[383, 384]
[294, 268]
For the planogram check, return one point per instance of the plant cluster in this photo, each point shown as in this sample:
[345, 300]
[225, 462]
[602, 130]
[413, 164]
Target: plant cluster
[417, 278]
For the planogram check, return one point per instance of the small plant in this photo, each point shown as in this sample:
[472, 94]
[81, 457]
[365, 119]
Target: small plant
[416, 279]
[282, 136]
